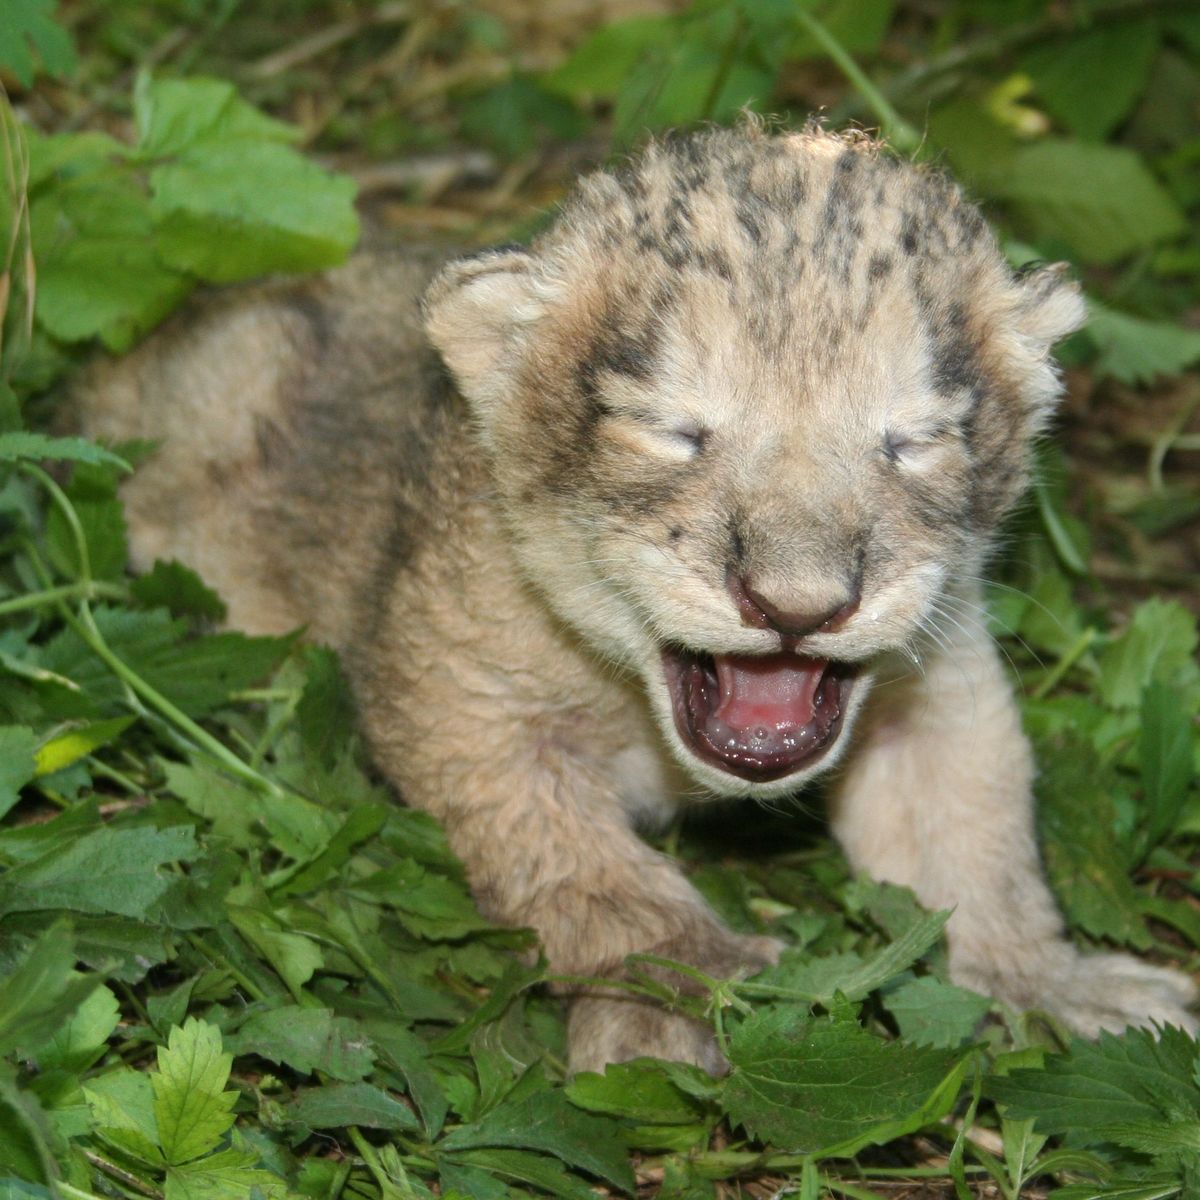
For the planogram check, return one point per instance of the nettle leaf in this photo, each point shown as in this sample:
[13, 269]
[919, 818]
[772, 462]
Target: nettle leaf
[1137, 351]
[342, 1104]
[66, 748]
[546, 1121]
[642, 1090]
[122, 1107]
[294, 957]
[79, 1041]
[1089, 1093]
[17, 764]
[308, 1040]
[105, 871]
[1166, 759]
[1091, 80]
[600, 64]
[1100, 199]
[536, 1169]
[191, 1108]
[30, 25]
[931, 1012]
[229, 1175]
[826, 1086]
[428, 905]
[178, 589]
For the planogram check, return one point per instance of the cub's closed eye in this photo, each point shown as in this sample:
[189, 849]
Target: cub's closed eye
[910, 448]
[690, 433]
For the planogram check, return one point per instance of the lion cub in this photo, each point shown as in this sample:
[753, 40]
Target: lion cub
[723, 449]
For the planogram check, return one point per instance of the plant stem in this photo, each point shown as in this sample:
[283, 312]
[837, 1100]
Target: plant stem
[1074, 652]
[70, 591]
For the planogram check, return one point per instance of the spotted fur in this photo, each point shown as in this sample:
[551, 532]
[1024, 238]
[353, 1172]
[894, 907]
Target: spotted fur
[794, 360]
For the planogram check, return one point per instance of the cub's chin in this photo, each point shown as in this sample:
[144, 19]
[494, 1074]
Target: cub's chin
[758, 724]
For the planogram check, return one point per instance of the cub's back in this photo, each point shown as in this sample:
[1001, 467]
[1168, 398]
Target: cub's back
[306, 434]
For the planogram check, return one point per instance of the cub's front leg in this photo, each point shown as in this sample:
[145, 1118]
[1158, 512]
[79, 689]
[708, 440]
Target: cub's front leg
[938, 797]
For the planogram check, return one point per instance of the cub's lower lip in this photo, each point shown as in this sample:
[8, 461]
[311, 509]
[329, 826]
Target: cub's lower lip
[759, 717]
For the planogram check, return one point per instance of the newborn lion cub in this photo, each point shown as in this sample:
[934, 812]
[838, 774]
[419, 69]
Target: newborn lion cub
[722, 450]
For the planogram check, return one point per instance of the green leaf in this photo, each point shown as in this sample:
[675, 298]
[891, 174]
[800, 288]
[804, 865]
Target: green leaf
[230, 1175]
[17, 765]
[543, 1173]
[600, 64]
[1099, 1086]
[307, 1040]
[178, 589]
[828, 1087]
[1091, 80]
[517, 116]
[105, 871]
[1137, 351]
[931, 1012]
[641, 1090]
[1166, 757]
[427, 904]
[191, 1108]
[30, 24]
[1158, 646]
[79, 1041]
[545, 1121]
[20, 444]
[232, 808]
[69, 747]
[1100, 199]
[294, 957]
[234, 210]
[342, 1104]
[122, 1106]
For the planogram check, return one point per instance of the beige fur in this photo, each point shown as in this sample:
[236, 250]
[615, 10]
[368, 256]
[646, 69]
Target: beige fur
[753, 406]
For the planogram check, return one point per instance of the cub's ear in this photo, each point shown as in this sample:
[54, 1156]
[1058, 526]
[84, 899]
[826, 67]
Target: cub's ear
[1050, 306]
[478, 311]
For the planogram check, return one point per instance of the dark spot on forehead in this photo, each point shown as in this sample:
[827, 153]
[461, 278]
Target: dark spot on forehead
[880, 267]
[909, 233]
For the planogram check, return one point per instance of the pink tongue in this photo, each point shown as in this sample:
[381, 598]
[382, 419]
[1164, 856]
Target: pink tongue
[776, 693]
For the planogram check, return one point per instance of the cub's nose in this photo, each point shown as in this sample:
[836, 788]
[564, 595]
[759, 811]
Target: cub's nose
[760, 611]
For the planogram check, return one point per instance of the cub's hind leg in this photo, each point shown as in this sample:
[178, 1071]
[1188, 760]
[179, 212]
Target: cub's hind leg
[938, 797]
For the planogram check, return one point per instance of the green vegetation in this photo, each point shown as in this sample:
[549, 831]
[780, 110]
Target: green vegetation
[232, 966]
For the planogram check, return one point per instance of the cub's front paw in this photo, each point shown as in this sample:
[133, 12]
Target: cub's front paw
[1091, 993]
[615, 1027]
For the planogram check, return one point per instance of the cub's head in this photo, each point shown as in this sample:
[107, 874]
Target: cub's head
[755, 406]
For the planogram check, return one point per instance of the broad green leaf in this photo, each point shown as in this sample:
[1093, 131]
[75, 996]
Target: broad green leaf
[1137, 351]
[30, 25]
[517, 116]
[546, 1122]
[1114, 1081]
[600, 64]
[342, 1104]
[122, 1106]
[232, 807]
[17, 765]
[20, 444]
[39, 989]
[174, 115]
[1100, 199]
[427, 904]
[191, 1108]
[826, 1086]
[79, 1041]
[1087, 866]
[307, 1040]
[931, 1012]
[859, 26]
[1167, 759]
[232, 210]
[1158, 646]
[293, 956]
[105, 871]
[326, 712]
[1091, 80]
[641, 1090]
[536, 1169]
[69, 747]
[1157, 1189]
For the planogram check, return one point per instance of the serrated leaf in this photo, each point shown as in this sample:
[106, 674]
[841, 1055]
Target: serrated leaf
[546, 1121]
[66, 748]
[1091, 80]
[105, 871]
[427, 904]
[1138, 1077]
[122, 1107]
[294, 957]
[191, 1107]
[338, 1105]
[1137, 351]
[536, 1169]
[307, 1040]
[931, 1012]
[20, 444]
[232, 808]
[171, 585]
[828, 1087]
[1166, 758]
[229, 1175]
[1100, 199]
[17, 764]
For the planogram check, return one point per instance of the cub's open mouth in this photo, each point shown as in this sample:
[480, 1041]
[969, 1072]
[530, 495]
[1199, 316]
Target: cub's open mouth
[759, 717]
